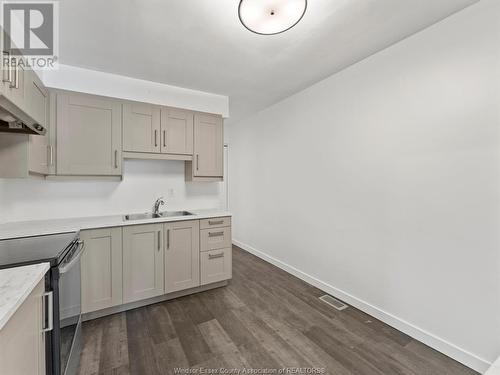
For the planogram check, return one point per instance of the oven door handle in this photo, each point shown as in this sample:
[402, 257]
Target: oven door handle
[48, 308]
[64, 269]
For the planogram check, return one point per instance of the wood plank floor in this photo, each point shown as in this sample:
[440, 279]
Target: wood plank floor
[264, 319]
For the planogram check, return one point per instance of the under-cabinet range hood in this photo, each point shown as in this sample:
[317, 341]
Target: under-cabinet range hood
[14, 121]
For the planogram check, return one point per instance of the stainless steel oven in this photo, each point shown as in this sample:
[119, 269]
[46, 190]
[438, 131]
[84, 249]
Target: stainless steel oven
[62, 306]
[67, 323]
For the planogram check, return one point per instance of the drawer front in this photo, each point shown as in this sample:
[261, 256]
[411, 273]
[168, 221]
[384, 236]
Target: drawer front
[216, 238]
[216, 266]
[215, 222]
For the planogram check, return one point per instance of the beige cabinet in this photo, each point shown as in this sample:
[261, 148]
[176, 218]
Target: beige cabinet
[101, 269]
[208, 153]
[141, 127]
[182, 255]
[14, 82]
[37, 100]
[22, 154]
[216, 265]
[22, 342]
[143, 266]
[89, 135]
[216, 238]
[176, 131]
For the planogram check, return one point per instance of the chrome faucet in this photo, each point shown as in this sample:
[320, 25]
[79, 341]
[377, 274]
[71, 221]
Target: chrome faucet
[156, 208]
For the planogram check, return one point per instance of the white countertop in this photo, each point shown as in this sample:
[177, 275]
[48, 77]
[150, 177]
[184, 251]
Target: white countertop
[54, 226]
[16, 284]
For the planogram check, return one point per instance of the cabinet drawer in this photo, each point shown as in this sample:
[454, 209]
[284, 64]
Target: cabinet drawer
[216, 238]
[216, 265]
[215, 222]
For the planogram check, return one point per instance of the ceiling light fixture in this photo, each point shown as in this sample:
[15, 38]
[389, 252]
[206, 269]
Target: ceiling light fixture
[267, 17]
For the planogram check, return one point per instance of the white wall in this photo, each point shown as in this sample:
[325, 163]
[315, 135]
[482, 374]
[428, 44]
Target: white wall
[143, 181]
[381, 184]
[99, 83]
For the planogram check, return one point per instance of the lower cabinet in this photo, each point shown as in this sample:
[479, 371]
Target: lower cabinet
[216, 265]
[138, 262]
[143, 266]
[22, 342]
[101, 269]
[182, 255]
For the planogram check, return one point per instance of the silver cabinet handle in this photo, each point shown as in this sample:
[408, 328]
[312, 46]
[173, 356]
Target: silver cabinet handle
[51, 148]
[215, 256]
[159, 240]
[6, 59]
[15, 84]
[116, 159]
[218, 222]
[156, 140]
[168, 239]
[48, 307]
[164, 138]
[215, 234]
[197, 162]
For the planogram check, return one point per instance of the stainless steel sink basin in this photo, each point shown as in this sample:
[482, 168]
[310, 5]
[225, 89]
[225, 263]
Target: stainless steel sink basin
[150, 215]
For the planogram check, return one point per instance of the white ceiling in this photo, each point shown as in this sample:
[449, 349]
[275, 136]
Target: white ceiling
[200, 44]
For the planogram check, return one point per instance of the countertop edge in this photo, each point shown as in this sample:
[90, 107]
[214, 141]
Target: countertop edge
[26, 291]
[56, 226]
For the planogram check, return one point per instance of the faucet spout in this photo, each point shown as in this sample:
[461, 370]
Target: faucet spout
[156, 208]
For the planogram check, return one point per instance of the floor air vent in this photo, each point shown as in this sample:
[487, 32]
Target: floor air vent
[339, 305]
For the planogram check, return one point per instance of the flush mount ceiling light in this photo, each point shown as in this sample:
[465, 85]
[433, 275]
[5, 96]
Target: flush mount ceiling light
[269, 17]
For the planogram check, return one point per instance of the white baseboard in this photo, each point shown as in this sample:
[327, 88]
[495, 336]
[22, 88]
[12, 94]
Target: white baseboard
[463, 356]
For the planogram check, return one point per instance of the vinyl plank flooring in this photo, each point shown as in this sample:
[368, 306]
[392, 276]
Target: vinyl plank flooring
[190, 337]
[264, 319]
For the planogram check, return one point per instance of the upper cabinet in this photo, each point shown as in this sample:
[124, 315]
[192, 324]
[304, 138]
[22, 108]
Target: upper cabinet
[89, 135]
[176, 131]
[141, 127]
[207, 164]
[154, 132]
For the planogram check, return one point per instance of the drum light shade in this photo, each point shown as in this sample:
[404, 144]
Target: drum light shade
[269, 17]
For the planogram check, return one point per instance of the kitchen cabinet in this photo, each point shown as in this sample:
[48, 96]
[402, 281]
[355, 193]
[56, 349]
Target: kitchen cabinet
[14, 88]
[37, 98]
[22, 340]
[216, 238]
[141, 127]
[177, 131]
[182, 255]
[41, 154]
[101, 269]
[215, 265]
[143, 266]
[89, 135]
[207, 164]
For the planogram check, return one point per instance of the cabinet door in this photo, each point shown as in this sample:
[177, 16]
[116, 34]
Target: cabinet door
[176, 131]
[89, 136]
[208, 146]
[182, 255]
[21, 339]
[216, 265]
[143, 268]
[37, 98]
[141, 127]
[15, 90]
[37, 102]
[101, 269]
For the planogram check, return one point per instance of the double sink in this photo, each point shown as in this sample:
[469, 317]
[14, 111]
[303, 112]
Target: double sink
[150, 215]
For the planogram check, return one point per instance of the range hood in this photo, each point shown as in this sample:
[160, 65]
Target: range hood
[12, 120]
